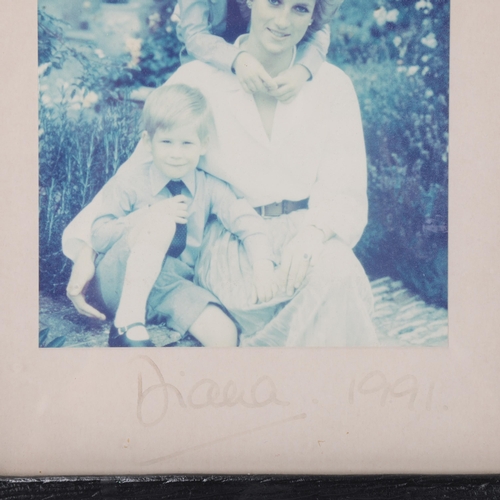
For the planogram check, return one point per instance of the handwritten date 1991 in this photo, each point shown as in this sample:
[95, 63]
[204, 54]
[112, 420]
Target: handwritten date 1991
[206, 392]
[377, 382]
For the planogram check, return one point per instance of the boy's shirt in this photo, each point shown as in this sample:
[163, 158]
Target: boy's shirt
[203, 24]
[145, 186]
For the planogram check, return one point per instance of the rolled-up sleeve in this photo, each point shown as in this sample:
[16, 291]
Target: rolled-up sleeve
[338, 202]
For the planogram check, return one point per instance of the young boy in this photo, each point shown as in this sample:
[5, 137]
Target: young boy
[208, 28]
[150, 227]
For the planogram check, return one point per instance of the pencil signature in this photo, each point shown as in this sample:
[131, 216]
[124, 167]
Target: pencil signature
[206, 392]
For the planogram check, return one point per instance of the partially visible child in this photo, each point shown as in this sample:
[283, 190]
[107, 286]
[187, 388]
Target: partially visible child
[208, 28]
[150, 226]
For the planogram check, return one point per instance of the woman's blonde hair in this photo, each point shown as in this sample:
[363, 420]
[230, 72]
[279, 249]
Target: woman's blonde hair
[176, 105]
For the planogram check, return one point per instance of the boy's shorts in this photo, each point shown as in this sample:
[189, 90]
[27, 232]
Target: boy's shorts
[174, 299]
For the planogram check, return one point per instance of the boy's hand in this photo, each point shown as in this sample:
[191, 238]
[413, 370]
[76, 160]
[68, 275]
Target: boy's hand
[150, 221]
[290, 82]
[176, 207]
[265, 286]
[252, 75]
[155, 215]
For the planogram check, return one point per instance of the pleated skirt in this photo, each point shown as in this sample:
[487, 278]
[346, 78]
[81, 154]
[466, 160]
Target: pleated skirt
[332, 307]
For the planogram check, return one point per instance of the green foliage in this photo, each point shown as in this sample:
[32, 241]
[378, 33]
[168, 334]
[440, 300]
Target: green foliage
[160, 49]
[111, 79]
[398, 60]
[43, 337]
[78, 151]
[50, 45]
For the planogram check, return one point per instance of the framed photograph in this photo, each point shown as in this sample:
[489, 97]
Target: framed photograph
[97, 60]
[374, 340]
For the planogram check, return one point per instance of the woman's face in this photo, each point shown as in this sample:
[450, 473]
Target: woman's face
[278, 25]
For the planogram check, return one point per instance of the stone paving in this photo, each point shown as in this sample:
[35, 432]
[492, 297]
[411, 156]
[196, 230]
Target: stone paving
[401, 318]
[404, 319]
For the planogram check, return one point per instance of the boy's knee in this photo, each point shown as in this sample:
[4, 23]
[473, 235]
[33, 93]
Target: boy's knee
[226, 331]
[214, 328]
[229, 333]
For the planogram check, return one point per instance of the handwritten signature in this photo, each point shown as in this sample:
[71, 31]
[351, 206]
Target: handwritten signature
[206, 392]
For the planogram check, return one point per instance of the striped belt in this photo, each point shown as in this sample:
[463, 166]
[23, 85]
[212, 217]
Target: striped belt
[281, 207]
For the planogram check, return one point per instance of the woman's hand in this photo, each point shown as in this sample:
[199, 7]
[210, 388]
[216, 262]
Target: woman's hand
[252, 75]
[265, 286]
[82, 273]
[300, 253]
[289, 83]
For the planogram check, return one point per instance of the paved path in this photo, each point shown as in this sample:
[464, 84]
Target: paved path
[401, 319]
[404, 319]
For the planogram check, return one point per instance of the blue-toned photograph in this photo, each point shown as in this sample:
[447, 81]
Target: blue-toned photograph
[243, 173]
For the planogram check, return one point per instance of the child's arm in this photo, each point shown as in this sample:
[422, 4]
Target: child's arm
[265, 281]
[194, 31]
[312, 54]
[238, 217]
[309, 59]
[117, 215]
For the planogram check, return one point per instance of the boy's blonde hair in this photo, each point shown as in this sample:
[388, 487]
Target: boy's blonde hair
[177, 105]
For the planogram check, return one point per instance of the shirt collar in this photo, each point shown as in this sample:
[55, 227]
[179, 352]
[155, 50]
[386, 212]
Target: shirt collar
[243, 38]
[159, 180]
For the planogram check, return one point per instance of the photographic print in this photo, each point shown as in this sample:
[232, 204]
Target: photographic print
[83, 120]
[313, 204]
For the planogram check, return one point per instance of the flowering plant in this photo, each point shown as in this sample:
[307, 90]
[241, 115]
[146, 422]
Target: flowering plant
[87, 128]
[398, 59]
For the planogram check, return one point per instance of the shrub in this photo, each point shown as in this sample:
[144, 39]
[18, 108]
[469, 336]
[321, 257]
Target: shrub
[398, 61]
[160, 48]
[78, 152]
[86, 130]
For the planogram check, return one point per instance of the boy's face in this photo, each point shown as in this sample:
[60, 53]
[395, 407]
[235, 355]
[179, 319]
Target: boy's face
[176, 151]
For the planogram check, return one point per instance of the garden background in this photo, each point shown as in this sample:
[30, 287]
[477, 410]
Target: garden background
[96, 56]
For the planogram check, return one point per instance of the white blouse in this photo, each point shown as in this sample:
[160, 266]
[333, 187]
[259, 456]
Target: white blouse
[316, 150]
